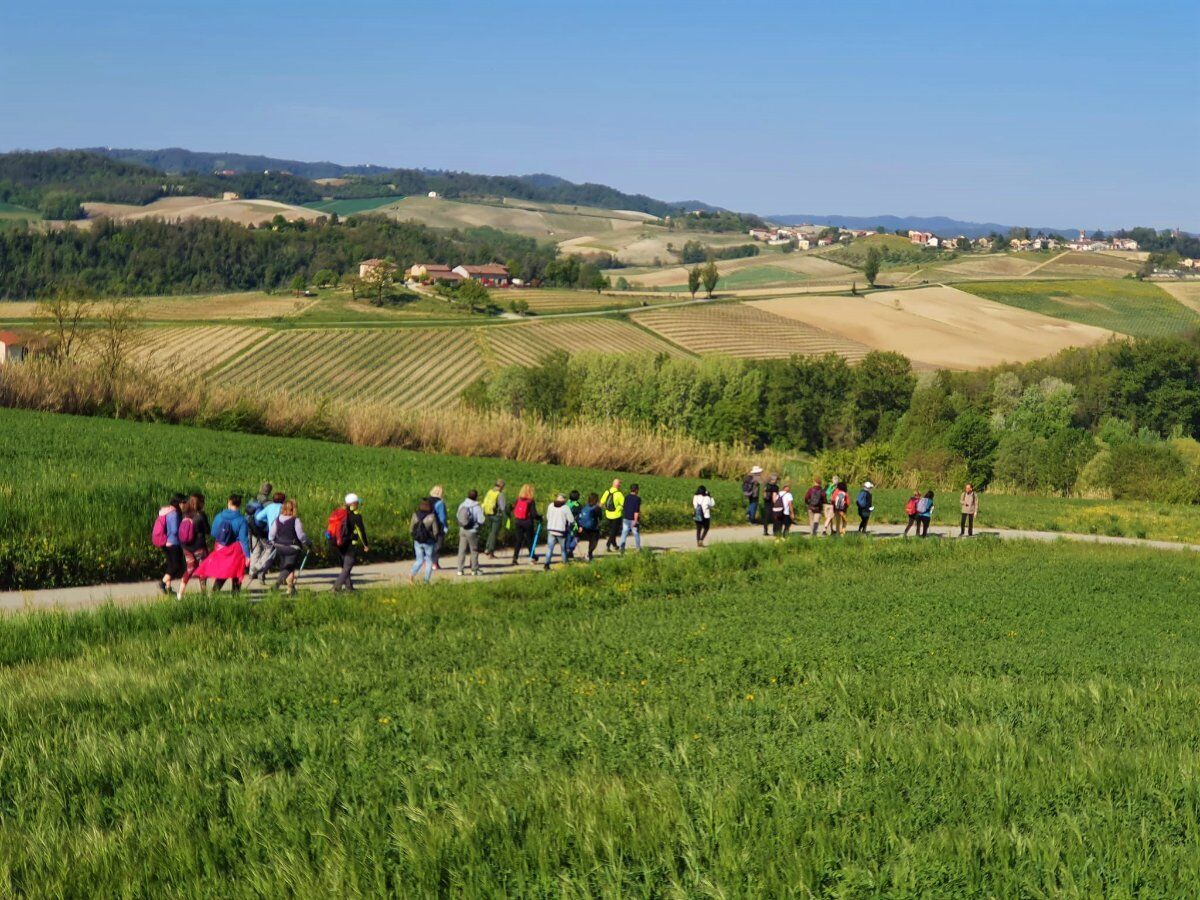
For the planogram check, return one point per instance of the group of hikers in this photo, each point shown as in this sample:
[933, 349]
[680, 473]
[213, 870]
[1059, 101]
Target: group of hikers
[246, 543]
[268, 532]
[770, 501]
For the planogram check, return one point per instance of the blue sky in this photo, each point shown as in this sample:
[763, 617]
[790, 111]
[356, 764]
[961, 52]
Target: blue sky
[1045, 113]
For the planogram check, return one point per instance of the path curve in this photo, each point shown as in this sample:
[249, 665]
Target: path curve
[373, 575]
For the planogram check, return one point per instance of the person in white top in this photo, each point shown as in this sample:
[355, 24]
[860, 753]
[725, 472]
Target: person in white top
[789, 508]
[559, 520]
[702, 507]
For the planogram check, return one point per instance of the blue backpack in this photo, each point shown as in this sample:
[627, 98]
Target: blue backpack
[587, 518]
[224, 535]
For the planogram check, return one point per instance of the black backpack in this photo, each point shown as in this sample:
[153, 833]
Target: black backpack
[749, 487]
[421, 532]
[610, 502]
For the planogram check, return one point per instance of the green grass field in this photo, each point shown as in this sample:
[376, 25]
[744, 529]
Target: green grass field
[351, 207]
[838, 719]
[753, 276]
[1130, 307]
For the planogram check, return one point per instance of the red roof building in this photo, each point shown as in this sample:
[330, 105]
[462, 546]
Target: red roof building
[491, 275]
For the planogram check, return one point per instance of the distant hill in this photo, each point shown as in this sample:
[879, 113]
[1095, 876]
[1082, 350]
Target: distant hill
[178, 161]
[937, 224]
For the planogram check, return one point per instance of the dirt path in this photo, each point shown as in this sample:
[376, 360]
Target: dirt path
[374, 575]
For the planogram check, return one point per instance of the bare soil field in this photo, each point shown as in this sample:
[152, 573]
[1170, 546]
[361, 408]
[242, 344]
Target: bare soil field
[1090, 265]
[245, 305]
[809, 265]
[992, 265]
[939, 326]
[541, 221]
[173, 209]
[740, 329]
[1186, 292]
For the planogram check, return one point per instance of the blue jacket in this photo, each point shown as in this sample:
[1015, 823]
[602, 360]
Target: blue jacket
[268, 514]
[439, 510]
[237, 521]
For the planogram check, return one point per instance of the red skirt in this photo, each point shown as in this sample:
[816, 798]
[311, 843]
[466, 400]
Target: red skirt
[224, 562]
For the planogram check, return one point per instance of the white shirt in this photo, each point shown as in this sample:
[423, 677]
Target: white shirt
[559, 518]
[706, 503]
[788, 502]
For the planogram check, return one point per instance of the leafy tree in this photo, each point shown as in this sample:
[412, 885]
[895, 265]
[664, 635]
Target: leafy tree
[871, 265]
[299, 283]
[60, 205]
[324, 278]
[694, 278]
[470, 294]
[623, 283]
[883, 389]
[710, 276]
[1156, 384]
[972, 438]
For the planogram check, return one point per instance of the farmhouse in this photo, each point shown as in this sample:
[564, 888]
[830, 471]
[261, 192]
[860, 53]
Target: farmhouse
[13, 347]
[429, 272]
[368, 267]
[492, 275]
[920, 237]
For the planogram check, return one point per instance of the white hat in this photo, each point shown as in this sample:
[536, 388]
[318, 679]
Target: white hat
[868, 485]
[757, 470]
[351, 498]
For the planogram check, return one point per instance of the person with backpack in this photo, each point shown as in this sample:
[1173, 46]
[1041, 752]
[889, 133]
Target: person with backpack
[840, 502]
[347, 536]
[470, 518]
[787, 503]
[495, 509]
[436, 498]
[165, 536]
[576, 507]
[769, 492]
[865, 502]
[702, 507]
[814, 502]
[589, 519]
[751, 490]
[968, 503]
[193, 538]
[231, 550]
[525, 519]
[827, 524]
[631, 519]
[424, 529]
[910, 510]
[559, 522]
[924, 514]
[612, 502]
[288, 539]
[259, 522]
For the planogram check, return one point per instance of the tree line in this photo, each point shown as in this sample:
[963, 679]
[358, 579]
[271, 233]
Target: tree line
[149, 257]
[1119, 420]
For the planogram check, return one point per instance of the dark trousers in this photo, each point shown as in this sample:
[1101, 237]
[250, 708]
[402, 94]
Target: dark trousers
[349, 557]
[592, 536]
[751, 511]
[702, 529]
[923, 526]
[176, 565]
[967, 524]
[524, 537]
[289, 562]
[614, 533]
[912, 520]
[493, 522]
[863, 519]
[768, 517]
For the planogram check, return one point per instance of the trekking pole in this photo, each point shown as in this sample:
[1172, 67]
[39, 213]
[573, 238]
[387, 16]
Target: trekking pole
[303, 561]
[533, 547]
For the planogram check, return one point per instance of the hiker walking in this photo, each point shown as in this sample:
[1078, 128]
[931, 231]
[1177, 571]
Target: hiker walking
[437, 501]
[576, 507]
[827, 514]
[702, 507]
[231, 547]
[346, 532]
[165, 536]
[612, 502]
[525, 519]
[910, 510]
[770, 489]
[559, 522]
[193, 538]
[924, 514]
[470, 517]
[787, 504]
[288, 539]
[814, 502]
[631, 518]
[751, 490]
[840, 503]
[968, 503]
[865, 501]
[589, 519]
[260, 529]
[495, 509]
[424, 529]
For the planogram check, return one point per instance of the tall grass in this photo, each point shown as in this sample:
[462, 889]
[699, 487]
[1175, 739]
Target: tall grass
[177, 398]
[817, 719]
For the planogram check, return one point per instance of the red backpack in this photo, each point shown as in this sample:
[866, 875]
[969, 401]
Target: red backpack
[521, 508]
[158, 534]
[337, 527]
[187, 531]
[910, 508]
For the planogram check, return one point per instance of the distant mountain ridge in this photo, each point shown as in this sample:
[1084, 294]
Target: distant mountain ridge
[942, 225]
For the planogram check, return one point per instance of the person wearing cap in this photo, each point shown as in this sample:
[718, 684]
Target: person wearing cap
[751, 488]
[865, 502]
[559, 522]
[348, 549]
